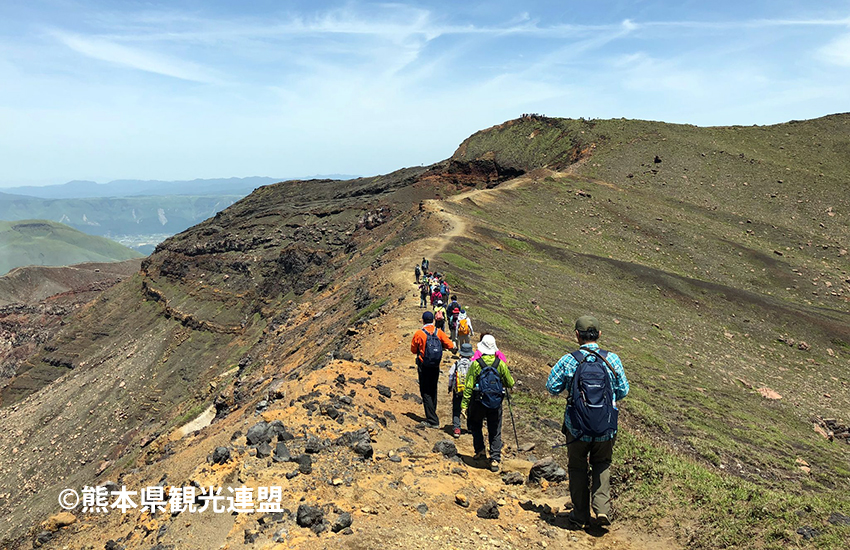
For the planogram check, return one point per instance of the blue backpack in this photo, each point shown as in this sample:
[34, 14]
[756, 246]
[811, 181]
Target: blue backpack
[590, 407]
[490, 388]
[433, 353]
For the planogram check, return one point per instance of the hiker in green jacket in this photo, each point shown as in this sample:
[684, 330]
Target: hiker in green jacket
[486, 382]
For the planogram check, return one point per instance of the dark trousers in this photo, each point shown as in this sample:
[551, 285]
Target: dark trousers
[457, 400]
[422, 300]
[477, 414]
[440, 324]
[428, 379]
[594, 489]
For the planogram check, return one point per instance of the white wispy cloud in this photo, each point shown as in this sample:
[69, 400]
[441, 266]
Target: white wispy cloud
[119, 54]
[837, 51]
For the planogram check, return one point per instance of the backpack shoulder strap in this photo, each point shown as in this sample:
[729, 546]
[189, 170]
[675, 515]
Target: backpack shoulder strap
[602, 354]
[496, 362]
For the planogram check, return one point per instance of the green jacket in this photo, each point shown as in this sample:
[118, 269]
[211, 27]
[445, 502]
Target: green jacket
[475, 370]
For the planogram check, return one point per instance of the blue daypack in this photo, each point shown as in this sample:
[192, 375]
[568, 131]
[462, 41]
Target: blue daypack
[590, 407]
[490, 388]
[433, 353]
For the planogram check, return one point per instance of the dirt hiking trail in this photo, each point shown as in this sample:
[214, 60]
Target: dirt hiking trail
[521, 517]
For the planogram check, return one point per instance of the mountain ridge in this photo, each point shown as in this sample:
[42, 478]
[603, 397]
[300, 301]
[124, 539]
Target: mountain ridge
[309, 280]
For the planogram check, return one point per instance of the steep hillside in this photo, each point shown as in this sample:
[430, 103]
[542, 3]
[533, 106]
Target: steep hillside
[41, 242]
[297, 304]
[36, 301]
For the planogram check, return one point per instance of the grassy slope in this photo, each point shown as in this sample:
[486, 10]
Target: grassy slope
[40, 242]
[687, 267]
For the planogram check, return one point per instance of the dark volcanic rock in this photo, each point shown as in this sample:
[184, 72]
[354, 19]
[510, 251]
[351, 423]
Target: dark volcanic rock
[264, 450]
[259, 433]
[513, 478]
[547, 469]
[281, 453]
[808, 532]
[220, 455]
[279, 430]
[384, 390]
[342, 522]
[305, 464]
[489, 510]
[307, 515]
[446, 447]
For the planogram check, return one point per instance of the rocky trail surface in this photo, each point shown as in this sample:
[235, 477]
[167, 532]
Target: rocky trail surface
[355, 470]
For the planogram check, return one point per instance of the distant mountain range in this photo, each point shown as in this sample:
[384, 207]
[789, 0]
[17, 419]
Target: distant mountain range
[42, 242]
[80, 189]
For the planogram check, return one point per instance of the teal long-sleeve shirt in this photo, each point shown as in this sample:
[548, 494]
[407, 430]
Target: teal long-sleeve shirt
[561, 378]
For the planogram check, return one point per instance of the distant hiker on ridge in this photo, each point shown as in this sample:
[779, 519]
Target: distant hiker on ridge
[424, 292]
[595, 380]
[486, 383]
[425, 264]
[417, 272]
[428, 344]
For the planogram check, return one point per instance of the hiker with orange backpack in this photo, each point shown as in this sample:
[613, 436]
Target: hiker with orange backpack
[463, 329]
[453, 310]
[487, 381]
[428, 344]
[595, 380]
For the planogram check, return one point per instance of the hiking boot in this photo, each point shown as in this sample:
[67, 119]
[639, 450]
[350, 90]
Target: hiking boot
[494, 466]
[574, 523]
[602, 520]
[456, 433]
[480, 456]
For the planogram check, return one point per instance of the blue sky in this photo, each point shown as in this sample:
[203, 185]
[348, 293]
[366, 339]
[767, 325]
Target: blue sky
[184, 89]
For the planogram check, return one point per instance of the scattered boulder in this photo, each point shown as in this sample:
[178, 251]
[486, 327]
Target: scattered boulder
[264, 450]
[808, 532]
[422, 508]
[42, 538]
[279, 430]
[547, 469]
[446, 447]
[513, 478]
[461, 500]
[384, 364]
[259, 433]
[412, 397]
[308, 516]
[342, 522]
[220, 455]
[489, 510]
[384, 390]
[281, 453]
[525, 447]
[305, 464]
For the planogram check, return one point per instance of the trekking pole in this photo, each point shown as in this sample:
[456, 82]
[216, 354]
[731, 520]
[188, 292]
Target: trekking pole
[513, 422]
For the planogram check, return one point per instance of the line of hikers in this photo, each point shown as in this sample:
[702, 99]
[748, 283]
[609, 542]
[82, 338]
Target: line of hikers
[480, 379]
